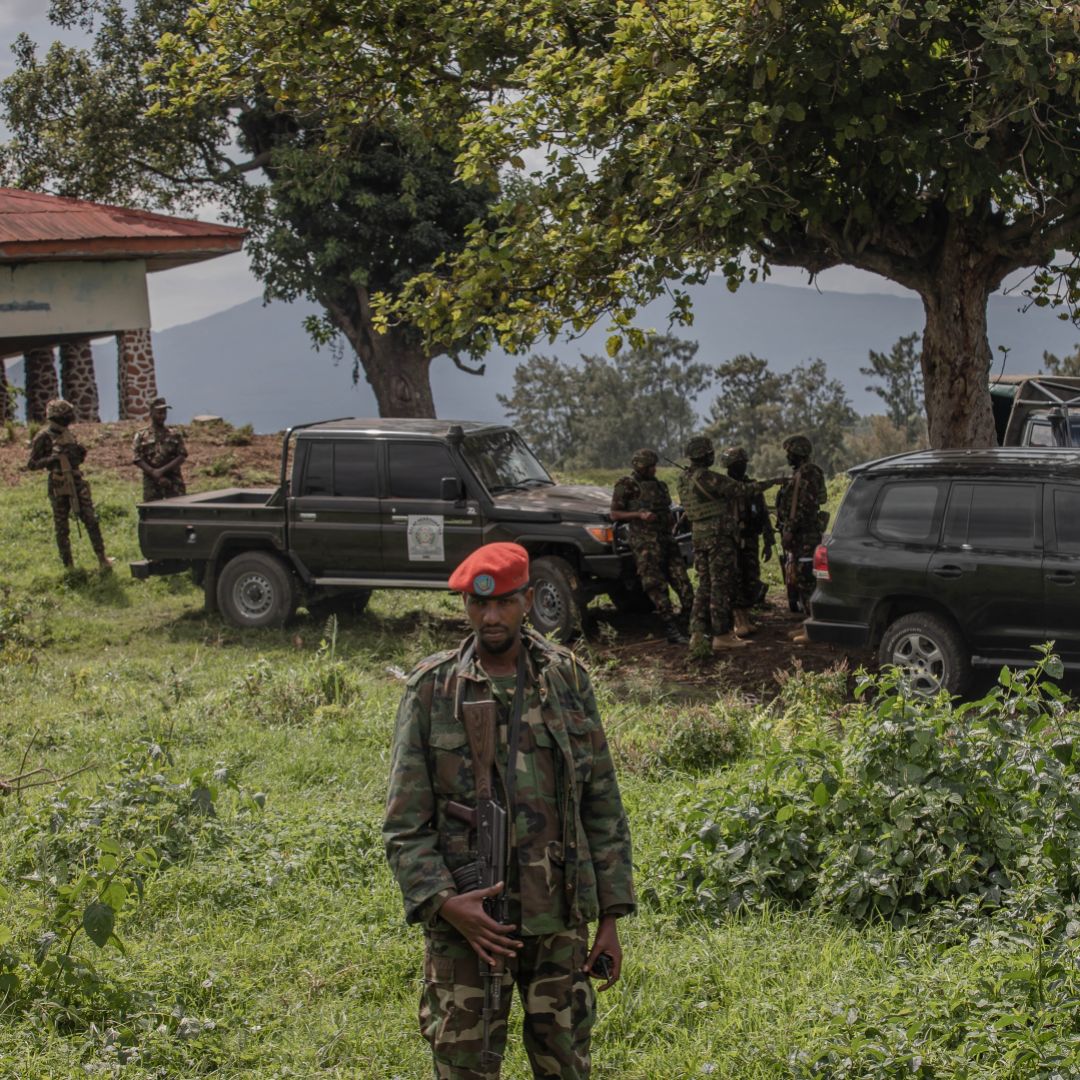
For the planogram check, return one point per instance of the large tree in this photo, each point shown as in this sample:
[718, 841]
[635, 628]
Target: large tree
[936, 144]
[333, 226]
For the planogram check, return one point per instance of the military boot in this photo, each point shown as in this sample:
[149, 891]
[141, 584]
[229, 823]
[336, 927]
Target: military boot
[674, 633]
[729, 640]
[743, 624]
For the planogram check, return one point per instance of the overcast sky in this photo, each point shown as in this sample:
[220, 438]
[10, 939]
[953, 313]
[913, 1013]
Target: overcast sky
[193, 292]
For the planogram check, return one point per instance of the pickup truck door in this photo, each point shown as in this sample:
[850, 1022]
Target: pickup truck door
[335, 513]
[989, 567]
[1061, 570]
[425, 536]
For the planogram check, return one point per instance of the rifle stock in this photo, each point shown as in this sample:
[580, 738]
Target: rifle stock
[490, 821]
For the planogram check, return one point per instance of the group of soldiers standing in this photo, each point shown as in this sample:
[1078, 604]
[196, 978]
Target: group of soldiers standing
[731, 531]
[157, 450]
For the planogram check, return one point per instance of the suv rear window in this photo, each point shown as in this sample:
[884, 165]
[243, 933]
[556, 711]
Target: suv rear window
[906, 512]
[993, 516]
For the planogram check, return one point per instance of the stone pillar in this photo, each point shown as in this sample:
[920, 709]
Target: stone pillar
[42, 384]
[78, 381]
[7, 401]
[137, 385]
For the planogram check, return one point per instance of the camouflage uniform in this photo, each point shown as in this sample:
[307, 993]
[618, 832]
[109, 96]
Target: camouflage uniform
[656, 554]
[711, 504]
[754, 523]
[157, 446]
[799, 517]
[569, 860]
[52, 441]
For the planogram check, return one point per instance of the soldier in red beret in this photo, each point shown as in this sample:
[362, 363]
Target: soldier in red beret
[505, 729]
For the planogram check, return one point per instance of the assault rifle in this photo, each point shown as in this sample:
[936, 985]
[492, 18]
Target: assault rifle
[67, 485]
[489, 819]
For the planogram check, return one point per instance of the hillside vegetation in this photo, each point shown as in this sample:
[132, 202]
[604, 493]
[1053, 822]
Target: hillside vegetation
[830, 887]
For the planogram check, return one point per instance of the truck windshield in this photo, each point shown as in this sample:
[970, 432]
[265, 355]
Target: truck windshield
[502, 461]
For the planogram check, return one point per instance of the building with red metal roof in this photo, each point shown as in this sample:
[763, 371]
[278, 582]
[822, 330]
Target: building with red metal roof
[72, 271]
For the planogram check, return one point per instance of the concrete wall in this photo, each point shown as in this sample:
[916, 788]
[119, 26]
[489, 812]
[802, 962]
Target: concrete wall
[48, 299]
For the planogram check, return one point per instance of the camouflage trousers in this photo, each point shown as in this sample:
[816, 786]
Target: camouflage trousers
[749, 588]
[63, 506]
[165, 488]
[717, 566]
[558, 999]
[659, 563]
[802, 548]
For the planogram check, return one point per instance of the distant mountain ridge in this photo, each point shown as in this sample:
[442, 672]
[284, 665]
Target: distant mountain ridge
[255, 364]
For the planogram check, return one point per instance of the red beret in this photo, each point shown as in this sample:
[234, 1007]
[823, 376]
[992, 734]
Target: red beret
[492, 570]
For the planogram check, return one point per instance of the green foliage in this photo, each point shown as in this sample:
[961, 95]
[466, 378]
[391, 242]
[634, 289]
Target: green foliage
[1062, 365]
[240, 436]
[84, 861]
[694, 739]
[20, 632]
[755, 408]
[599, 412]
[222, 465]
[913, 804]
[900, 385]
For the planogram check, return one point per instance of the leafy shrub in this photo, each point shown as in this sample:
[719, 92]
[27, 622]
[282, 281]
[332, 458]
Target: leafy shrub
[222, 465]
[82, 861]
[240, 436]
[19, 637]
[300, 694]
[918, 802]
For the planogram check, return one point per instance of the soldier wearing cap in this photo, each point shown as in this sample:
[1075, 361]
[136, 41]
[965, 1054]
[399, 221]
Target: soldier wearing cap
[55, 448]
[801, 521]
[568, 843]
[160, 451]
[755, 529]
[644, 503]
[711, 501]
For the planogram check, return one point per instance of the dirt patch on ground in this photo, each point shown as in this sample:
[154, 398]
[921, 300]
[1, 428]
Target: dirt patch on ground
[633, 644]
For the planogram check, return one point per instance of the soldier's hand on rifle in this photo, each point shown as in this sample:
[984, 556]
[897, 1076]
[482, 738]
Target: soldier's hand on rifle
[488, 938]
[646, 515]
[606, 941]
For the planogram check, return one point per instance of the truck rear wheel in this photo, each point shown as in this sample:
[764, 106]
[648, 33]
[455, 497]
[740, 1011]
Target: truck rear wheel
[255, 589]
[557, 601]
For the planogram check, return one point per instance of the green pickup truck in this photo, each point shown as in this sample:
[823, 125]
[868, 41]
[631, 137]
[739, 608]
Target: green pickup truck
[388, 504]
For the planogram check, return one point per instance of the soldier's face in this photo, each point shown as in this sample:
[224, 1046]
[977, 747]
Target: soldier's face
[737, 470]
[793, 460]
[647, 473]
[497, 620]
[159, 414]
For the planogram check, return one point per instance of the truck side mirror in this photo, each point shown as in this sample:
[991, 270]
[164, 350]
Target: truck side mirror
[451, 489]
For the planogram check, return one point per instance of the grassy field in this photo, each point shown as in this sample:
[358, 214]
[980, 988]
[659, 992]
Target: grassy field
[226, 815]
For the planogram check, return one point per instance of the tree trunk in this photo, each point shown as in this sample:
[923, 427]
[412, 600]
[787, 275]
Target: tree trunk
[395, 364]
[956, 353]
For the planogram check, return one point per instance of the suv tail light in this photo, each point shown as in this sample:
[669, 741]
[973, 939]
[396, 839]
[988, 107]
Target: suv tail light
[821, 562]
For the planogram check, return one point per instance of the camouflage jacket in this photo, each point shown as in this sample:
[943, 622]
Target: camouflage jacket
[802, 518]
[632, 493]
[570, 859]
[713, 503]
[49, 441]
[158, 447]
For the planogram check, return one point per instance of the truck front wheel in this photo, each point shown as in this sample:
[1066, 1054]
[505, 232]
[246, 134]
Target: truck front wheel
[255, 589]
[557, 602]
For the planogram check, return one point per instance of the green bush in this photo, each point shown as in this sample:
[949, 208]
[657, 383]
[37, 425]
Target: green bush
[241, 436]
[916, 803]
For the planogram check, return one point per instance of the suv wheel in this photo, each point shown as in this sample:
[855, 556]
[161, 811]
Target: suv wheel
[255, 589]
[929, 651]
[557, 602]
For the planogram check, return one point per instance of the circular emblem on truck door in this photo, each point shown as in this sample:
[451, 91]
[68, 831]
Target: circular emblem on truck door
[483, 585]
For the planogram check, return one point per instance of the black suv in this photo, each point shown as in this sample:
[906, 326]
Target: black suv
[947, 559]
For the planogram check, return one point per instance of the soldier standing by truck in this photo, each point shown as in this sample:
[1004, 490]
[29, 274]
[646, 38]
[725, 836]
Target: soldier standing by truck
[55, 448]
[644, 503]
[711, 502]
[801, 521]
[754, 528]
[500, 767]
[159, 451]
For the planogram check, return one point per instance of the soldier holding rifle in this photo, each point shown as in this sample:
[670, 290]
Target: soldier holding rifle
[505, 830]
[55, 448]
